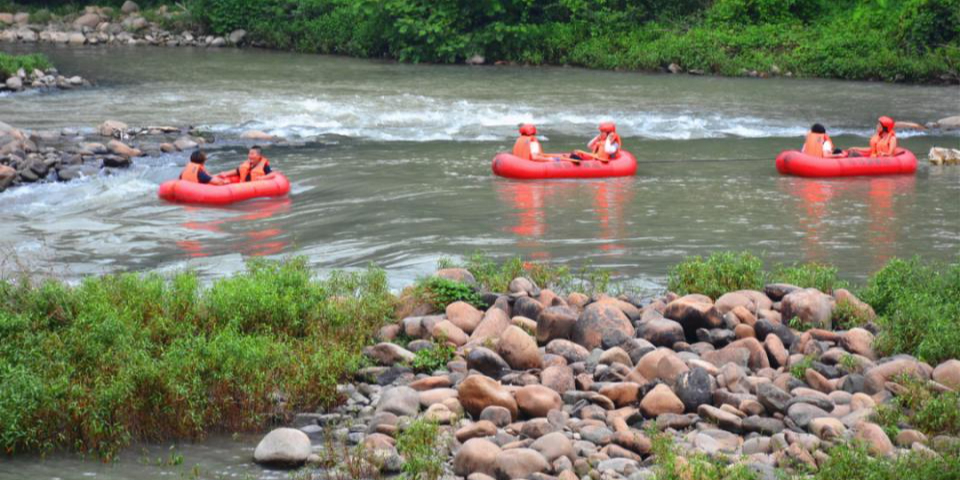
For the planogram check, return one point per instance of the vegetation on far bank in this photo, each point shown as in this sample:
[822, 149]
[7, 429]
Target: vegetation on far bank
[911, 40]
[10, 64]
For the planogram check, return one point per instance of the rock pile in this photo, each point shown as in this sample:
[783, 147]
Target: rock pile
[99, 26]
[49, 79]
[62, 155]
[546, 386]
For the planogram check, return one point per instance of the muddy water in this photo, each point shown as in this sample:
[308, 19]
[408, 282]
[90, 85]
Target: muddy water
[391, 165]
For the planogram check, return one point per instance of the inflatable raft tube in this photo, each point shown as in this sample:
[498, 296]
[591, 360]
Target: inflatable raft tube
[273, 185]
[792, 162]
[510, 166]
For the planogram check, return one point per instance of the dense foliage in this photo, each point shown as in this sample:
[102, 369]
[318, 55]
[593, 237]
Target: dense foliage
[915, 40]
[9, 64]
[119, 358]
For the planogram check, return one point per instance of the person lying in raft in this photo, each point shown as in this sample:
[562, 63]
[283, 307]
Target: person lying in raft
[528, 147]
[818, 143]
[256, 167]
[882, 144]
[603, 147]
[196, 172]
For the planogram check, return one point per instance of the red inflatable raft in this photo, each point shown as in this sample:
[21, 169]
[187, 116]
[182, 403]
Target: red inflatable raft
[510, 166]
[792, 162]
[273, 185]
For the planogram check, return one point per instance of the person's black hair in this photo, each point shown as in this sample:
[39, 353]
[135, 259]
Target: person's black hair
[817, 128]
[257, 148]
[198, 156]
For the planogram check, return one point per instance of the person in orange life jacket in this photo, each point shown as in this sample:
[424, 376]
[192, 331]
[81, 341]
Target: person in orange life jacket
[883, 143]
[256, 166]
[527, 146]
[195, 171]
[603, 147]
[818, 143]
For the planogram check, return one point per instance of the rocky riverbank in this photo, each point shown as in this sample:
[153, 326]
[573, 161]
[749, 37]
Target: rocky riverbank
[545, 386]
[106, 26]
[67, 154]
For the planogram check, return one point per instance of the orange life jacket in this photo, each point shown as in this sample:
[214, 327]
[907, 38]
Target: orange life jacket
[883, 146]
[522, 148]
[599, 144]
[191, 173]
[814, 144]
[256, 174]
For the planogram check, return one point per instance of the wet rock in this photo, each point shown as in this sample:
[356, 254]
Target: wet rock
[257, 135]
[112, 128]
[602, 325]
[695, 388]
[570, 351]
[283, 447]
[487, 362]
[811, 306]
[185, 143]
[660, 400]
[661, 332]
[536, 400]
[476, 456]
[68, 173]
[527, 307]
[519, 463]
[518, 349]
[123, 149]
[765, 327]
[236, 37]
[477, 392]
[555, 322]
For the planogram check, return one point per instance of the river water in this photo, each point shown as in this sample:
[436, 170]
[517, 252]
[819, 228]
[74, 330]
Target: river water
[390, 165]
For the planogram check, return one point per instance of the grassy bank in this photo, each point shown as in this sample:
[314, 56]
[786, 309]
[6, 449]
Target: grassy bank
[121, 358]
[9, 64]
[893, 40]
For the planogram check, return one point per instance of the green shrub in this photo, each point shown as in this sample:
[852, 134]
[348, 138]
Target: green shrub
[846, 316]
[432, 359]
[809, 275]
[918, 307]
[9, 64]
[920, 406]
[123, 358]
[419, 444]
[799, 369]
[719, 273]
[855, 462]
[441, 292]
[670, 465]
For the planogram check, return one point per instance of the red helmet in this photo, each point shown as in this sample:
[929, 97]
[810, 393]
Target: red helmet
[887, 122]
[608, 127]
[528, 129]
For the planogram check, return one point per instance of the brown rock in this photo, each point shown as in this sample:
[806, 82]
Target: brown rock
[437, 395]
[661, 332]
[670, 368]
[519, 349]
[446, 331]
[616, 355]
[948, 374]
[660, 400]
[112, 128]
[622, 394]
[811, 306]
[649, 364]
[483, 428]
[553, 446]
[758, 356]
[776, 352]
[864, 310]
[461, 275]
[494, 322]
[555, 322]
[877, 442]
[728, 301]
[744, 331]
[557, 378]
[476, 456]
[430, 383]
[572, 352]
[536, 400]
[465, 316]
[692, 314]
[858, 341]
[744, 315]
[519, 463]
[602, 325]
[477, 392]
[388, 353]
[884, 372]
[123, 149]
[634, 441]
[908, 437]
[818, 381]
[827, 428]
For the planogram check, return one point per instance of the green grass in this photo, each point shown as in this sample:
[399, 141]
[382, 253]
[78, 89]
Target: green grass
[799, 369]
[921, 407]
[429, 360]
[441, 292]
[9, 64]
[918, 308]
[671, 465]
[419, 444]
[852, 461]
[809, 275]
[122, 358]
[495, 275]
[717, 274]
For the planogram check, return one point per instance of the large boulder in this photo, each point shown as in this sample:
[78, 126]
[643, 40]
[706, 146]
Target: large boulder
[476, 456]
[461, 275]
[536, 400]
[446, 331]
[519, 349]
[947, 373]
[519, 463]
[570, 351]
[487, 362]
[660, 400]
[89, 20]
[865, 311]
[236, 37]
[602, 325]
[810, 306]
[477, 392]
[122, 149]
[388, 353]
[287, 447]
[527, 307]
[695, 388]
[494, 322]
[555, 322]
[558, 377]
[661, 332]
[949, 123]
[400, 401]
[553, 446]
[464, 316]
[7, 176]
[112, 128]
[129, 7]
[693, 313]
[858, 341]
[875, 439]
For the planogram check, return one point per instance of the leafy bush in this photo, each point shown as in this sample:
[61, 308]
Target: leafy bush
[442, 292]
[920, 406]
[670, 465]
[124, 358]
[9, 64]
[809, 275]
[418, 444]
[918, 307]
[854, 461]
[846, 316]
[432, 359]
[719, 273]
[799, 369]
